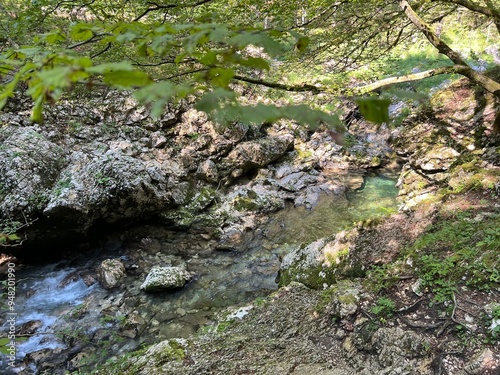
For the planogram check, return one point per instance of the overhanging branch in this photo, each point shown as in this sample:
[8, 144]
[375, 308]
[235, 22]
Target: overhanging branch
[281, 86]
[406, 78]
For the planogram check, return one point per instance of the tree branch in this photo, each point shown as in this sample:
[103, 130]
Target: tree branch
[461, 67]
[281, 86]
[406, 78]
[169, 6]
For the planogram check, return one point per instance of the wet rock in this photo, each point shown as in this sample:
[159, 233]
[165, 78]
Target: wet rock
[132, 326]
[165, 278]
[48, 360]
[88, 277]
[30, 327]
[110, 273]
[150, 245]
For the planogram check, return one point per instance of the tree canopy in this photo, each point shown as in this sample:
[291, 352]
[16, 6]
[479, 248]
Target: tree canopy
[170, 50]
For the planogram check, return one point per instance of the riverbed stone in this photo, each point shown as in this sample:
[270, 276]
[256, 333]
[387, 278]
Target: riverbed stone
[165, 278]
[110, 273]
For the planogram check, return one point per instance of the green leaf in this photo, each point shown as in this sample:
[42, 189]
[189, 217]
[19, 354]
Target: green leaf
[81, 32]
[54, 37]
[255, 62]
[126, 79]
[407, 94]
[36, 112]
[270, 46]
[110, 67]
[220, 77]
[374, 109]
[13, 237]
[55, 77]
[160, 94]
[302, 43]
[128, 36]
[209, 58]
[142, 50]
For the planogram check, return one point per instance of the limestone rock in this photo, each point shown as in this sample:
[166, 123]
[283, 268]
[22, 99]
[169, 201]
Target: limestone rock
[208, 171]
[164, 278]
[110, 273]
[437, 158]
[111, 186]
[259, 153]
[486, 362]
[29, 165]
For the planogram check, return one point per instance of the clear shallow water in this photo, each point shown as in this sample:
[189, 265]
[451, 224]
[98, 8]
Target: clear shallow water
[222, 279]
[334, 213]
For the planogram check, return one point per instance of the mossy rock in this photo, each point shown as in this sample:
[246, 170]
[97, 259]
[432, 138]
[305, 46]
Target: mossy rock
[323, 262]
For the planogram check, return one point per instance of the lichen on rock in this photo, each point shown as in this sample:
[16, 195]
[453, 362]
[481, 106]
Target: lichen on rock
[165, 278]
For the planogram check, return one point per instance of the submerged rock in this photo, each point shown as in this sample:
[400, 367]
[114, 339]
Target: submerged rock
[165, 278]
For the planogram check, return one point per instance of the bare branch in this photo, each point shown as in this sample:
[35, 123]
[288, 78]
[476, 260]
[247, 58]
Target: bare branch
[280, 86]
[169, 6]
[406, 78]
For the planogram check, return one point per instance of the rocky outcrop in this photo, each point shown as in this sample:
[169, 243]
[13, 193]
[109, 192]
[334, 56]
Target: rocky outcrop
[320, 344]
[254, 154]
[449, 146]
[352, 252]
[120, 167]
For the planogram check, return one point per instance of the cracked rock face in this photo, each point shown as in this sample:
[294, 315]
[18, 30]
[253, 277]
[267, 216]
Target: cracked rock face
[165, 278]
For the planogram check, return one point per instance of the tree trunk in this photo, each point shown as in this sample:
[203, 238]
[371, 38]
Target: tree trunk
[461, 67]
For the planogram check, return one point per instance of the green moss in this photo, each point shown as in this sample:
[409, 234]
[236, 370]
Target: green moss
[174, 351]
[338, 257]
[313, 277]
[348, 299]
[303, 154]
[245, 204]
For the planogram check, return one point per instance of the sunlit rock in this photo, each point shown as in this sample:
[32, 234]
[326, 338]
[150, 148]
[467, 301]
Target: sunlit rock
[164, 278]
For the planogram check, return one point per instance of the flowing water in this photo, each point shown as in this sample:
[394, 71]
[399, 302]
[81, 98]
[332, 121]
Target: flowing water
[55, 305]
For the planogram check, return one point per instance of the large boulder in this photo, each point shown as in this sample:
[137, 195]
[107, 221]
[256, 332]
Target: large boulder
[29, 166]
[256, 154]
[165, 278]
[110, 186]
